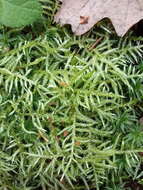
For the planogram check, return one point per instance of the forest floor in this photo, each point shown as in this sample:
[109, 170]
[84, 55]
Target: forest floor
[71, 108]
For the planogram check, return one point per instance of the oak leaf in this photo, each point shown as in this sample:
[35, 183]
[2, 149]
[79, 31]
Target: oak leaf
[122, 13]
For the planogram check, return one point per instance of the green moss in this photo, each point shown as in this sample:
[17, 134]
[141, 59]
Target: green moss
[69, 112]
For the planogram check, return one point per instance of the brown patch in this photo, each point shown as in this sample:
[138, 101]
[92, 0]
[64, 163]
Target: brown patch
[52, 103]
[84, 19]
[63, 84]
[141, 153]
[134, 185]
[66, 133]
[141, 121]
[77, 143]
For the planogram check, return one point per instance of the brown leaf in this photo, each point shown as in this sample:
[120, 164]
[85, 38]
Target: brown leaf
[123, 14]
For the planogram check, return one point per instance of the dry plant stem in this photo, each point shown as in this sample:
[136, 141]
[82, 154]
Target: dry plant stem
[95, 44]
[42, 136]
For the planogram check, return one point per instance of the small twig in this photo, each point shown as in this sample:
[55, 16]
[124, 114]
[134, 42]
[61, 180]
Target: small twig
[95, 44]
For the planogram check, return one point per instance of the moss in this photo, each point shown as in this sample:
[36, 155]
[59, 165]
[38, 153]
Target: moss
[69, 108]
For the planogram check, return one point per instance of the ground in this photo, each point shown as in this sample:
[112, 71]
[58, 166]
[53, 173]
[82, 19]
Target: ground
[70, 107]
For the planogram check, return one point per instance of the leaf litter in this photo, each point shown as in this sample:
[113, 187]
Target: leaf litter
[82, 15]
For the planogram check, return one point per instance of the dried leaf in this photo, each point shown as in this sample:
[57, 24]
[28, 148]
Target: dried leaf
[123, 14]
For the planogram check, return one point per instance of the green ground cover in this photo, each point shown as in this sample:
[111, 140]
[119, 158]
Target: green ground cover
[70, 107]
